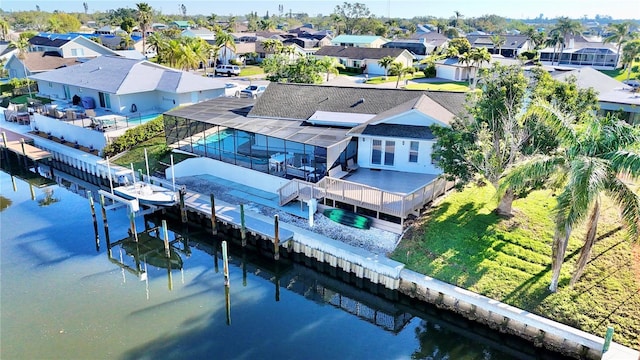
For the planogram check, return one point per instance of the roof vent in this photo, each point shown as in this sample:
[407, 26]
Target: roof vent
[361, 101]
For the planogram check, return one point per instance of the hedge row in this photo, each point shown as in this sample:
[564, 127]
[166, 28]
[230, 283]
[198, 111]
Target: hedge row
[135, 136]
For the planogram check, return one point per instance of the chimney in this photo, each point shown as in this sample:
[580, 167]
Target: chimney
[572, 42]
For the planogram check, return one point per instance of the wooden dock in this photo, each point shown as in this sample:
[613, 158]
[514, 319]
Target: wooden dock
[22, 145]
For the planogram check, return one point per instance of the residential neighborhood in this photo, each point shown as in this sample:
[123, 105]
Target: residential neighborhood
[483, 167]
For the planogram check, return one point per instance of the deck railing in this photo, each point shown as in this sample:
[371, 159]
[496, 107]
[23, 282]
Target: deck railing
[365, 196]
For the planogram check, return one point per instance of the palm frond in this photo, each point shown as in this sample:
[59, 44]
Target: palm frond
[625, 162]
[559, 122]
[534, 168]
[629, 203]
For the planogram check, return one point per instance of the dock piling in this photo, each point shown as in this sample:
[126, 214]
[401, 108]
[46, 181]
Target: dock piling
[104, 220]
[225, 264]
[276, 238]
[132, 222]
[24, 153]
[243, 228]
[165, 237]
[214, 224]
[95, 219]
[183, 209]
[228, 304]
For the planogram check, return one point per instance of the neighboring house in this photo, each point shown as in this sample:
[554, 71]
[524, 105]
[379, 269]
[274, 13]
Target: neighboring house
[613, 95]
[202, 33]
[433, 38]
[308, 44]
[241, 51]
[182, 25]
[263, 54]
[115, 42]
[110, 30]
[513, 45]
[122, 85]
[69, 45]
[453, 69]
[365, 58]
[365, 148]
[6, 51]
[244, 37]
[37, 62]
[579, 53]
[365, 41]
[418, 48]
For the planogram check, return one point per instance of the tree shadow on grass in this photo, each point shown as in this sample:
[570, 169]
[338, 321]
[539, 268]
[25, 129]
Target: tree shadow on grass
[462, 241]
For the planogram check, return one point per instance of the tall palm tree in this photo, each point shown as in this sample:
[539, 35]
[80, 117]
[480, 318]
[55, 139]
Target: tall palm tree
[630, 53]
[497, 41]
[267, 24]
[458, 17]
[4, 28]
[478, 56]
[145, 13]
[225, 41]
[397, 69]
[330, 66]
[566, 27]
[232, 23]
[589, 163]
[555, 39]
[385, 62]
[620, 34]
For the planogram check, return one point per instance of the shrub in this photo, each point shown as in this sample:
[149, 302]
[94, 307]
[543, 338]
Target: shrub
[529, 55]
[134, 136]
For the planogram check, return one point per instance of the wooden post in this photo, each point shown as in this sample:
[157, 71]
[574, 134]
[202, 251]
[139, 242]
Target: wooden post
[214, 223]
[276, 238]
[132, 221]
[165, 237]
[104, 220]
[227, 298]
[24, 152]
[225, 264]
[95, 219]
[183, 210]
[243, 229]
[109, 175]
[244, 268]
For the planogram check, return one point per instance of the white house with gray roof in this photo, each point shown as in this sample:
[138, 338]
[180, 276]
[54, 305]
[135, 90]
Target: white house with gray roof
[123, 85]
[368, 148]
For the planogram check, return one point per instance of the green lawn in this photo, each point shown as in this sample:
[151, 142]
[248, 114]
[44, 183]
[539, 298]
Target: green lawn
[461, 241]
[251, 70]
[388, 79]
[157, 152]
[621, 74]
[22, 99]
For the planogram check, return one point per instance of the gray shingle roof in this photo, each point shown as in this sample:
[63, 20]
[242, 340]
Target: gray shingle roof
[397, 131]
[300, 101]
[117, 75]
[358, 53]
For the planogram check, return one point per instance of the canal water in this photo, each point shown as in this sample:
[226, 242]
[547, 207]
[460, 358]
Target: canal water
[62, 298]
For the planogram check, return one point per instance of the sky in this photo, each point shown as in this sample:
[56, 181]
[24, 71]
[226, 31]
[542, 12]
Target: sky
[519, 9]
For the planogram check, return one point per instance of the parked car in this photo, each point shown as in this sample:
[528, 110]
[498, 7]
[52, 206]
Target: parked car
[227, 70]
[635, 84]
[253, 91]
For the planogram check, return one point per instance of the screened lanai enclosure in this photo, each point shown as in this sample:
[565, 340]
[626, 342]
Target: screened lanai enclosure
[223, 129]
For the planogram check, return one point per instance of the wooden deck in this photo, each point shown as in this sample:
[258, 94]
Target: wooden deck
[21, 145]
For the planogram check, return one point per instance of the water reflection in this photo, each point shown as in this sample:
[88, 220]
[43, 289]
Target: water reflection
[280, 309]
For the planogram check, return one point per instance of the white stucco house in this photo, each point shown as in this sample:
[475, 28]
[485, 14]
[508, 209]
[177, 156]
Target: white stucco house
[366, 41]
[365, 58]
[122, 85]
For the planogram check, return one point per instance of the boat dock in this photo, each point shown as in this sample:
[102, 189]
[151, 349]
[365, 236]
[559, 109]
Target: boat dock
[21, 144]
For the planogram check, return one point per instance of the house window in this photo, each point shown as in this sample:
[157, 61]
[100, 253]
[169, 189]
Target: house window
[413, 151]
[389, 152]
[50, 84]
[77, 52]
[376, 152]
[383, 152]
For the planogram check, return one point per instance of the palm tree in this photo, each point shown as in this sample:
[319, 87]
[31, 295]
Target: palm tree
[272, 46]
[4, 28]
[212, 19]
[385, 62]
[225, 40]
[458, 17]
[498, 41]
[267, 25]
[478, 56]
[126, 42]
[620, 33]
[566, 27]
[22, 45]
[630, 53]
[145, 13]
[231, 24]
[330, 66]
[589, 163]
[397, 69]
[555, 39]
